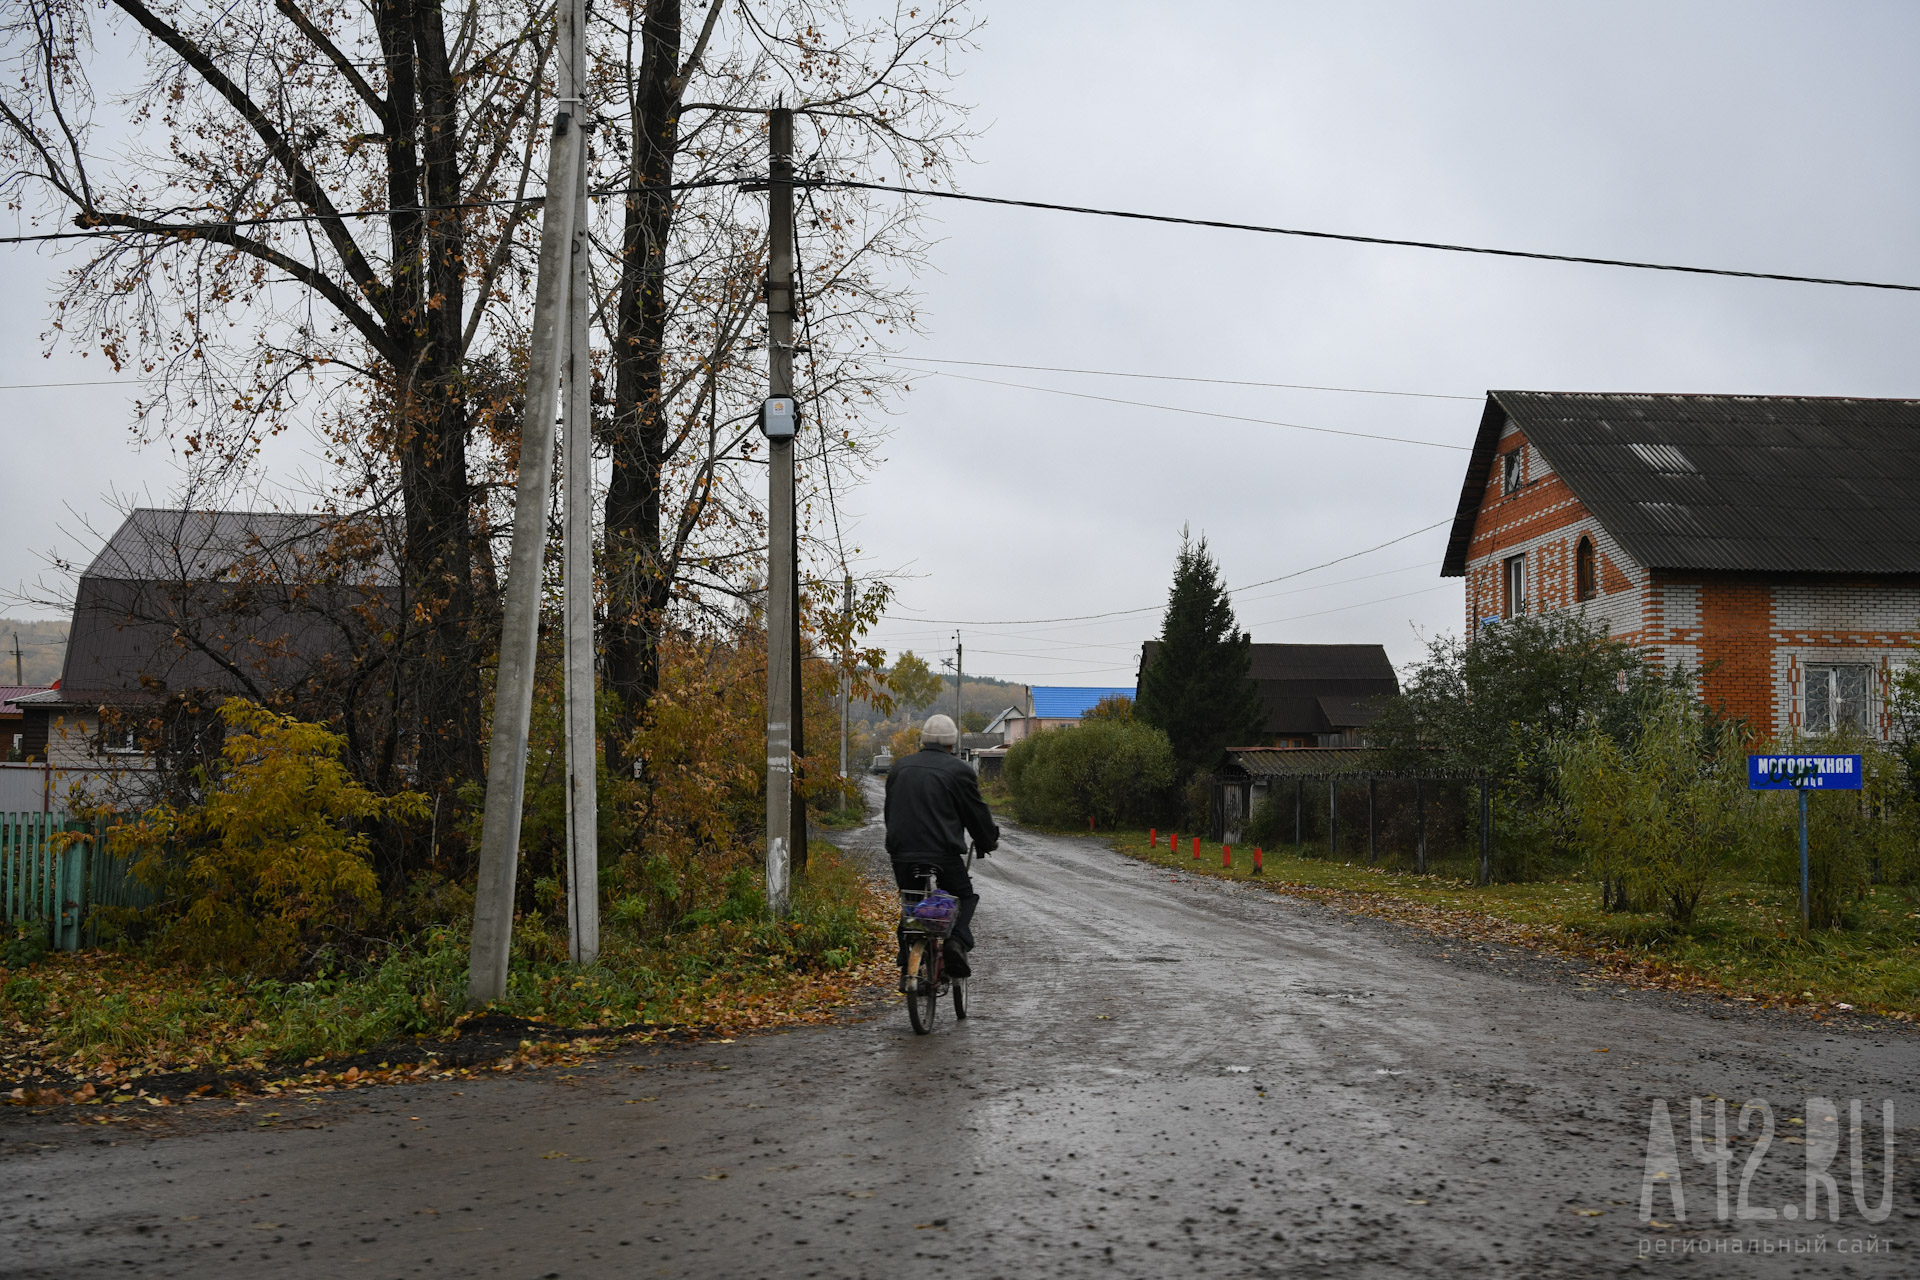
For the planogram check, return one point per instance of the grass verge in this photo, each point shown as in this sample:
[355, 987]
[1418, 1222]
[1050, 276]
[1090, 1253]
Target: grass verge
[1744, 943]
[88, 1025]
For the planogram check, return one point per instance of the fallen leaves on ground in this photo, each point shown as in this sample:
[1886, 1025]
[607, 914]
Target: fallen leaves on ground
[223, 1059]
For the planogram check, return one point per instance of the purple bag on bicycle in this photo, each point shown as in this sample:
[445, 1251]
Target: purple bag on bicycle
[938, 909]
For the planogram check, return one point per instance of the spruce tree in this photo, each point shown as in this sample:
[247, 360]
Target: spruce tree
[1199, 690]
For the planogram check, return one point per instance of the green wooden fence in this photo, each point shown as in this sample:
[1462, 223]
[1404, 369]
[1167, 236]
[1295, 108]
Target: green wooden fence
[53, 871]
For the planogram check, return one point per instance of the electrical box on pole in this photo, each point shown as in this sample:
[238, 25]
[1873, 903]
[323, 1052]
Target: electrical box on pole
[779, 418]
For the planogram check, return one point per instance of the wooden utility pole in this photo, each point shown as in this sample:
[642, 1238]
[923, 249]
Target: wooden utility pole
[520, 626]
[783, 622]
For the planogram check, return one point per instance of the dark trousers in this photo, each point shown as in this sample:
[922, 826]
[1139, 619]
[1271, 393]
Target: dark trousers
[950, 873]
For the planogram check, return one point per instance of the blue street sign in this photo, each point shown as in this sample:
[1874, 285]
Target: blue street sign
[1803, 773]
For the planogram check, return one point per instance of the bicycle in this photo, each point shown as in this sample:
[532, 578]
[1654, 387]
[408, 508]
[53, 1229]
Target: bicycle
[927, 917]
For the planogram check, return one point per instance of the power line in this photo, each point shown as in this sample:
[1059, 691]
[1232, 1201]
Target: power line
[1121, 613]
[1198, 413]
[1440, 246]
[850, 184]
[1358, 604]
[1169, 377]
[1240, 602]
[1361, 604]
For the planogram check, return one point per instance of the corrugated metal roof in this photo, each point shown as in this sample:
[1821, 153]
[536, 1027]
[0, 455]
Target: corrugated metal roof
[217, 601]
[1306, 762]
[1070, 702]
[163, 544]
[10, 693]
[1291, 762]
[1782, 484]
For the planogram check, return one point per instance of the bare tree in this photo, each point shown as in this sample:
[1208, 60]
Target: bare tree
[686, 327]
[319, 211]
[241, 264]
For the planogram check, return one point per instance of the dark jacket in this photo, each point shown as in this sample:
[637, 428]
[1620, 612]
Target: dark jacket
[934, 804]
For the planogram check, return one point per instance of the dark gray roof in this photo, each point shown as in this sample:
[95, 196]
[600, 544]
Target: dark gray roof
[162, 544]
[1783, 484]
[1314, 688]
[232, 602]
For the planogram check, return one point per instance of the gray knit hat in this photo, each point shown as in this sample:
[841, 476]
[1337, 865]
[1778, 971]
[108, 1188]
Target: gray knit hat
[939, 731]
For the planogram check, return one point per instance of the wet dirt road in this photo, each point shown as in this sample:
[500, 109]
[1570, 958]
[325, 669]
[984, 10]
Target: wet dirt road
[1164, 1076]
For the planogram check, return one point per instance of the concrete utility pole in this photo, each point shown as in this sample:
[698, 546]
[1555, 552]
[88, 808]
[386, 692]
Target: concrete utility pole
[520, 627]
[583, 799]
[846, 671]
[797, 845]
[782, 575]
[959, 676]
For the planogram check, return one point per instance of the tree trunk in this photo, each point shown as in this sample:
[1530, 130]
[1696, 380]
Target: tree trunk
[636, 572]
[431, 417]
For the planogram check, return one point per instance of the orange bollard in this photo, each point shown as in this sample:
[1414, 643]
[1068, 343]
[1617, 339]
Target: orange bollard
[1196, 848]
[1226, 857]
[1152, 835]
[1173, 842]
[1256, 859]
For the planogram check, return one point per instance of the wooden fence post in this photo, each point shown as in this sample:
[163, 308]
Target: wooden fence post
[1420, 820]
[1373, 846]
[1486, 831]
[1333, 815]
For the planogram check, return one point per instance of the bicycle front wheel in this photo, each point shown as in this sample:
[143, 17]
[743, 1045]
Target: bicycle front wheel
[922, 1002]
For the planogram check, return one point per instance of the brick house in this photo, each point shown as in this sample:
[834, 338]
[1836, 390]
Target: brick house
[1770, 542]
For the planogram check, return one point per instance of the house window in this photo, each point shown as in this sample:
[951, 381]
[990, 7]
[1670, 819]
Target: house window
[1837, 697]
[1515, 575]
[1510, 471]
[1585, 579]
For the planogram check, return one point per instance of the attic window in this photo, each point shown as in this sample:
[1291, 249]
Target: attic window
[1510, 471]
[1665, 458]
[1585, 580]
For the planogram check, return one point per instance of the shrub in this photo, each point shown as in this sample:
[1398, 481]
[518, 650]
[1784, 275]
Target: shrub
[1655, 817]
[275, 861]
[1112, 771]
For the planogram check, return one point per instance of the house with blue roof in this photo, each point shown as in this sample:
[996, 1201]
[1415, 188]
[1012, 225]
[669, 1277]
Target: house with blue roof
[1053, 706]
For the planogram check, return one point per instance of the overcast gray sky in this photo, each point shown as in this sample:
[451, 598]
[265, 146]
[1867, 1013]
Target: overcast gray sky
[1772, 137]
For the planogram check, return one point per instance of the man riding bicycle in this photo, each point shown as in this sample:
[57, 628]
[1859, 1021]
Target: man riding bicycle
[933, 805]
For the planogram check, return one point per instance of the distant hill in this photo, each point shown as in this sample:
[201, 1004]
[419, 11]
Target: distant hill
[43, 647]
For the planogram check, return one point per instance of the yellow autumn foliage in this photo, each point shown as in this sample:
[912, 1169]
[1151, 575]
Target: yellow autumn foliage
[275, 860]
